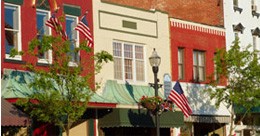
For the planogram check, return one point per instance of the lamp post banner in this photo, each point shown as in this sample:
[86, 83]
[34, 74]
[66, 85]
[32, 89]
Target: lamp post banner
[167, 84]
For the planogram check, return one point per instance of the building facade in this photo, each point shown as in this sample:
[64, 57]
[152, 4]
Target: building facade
[194, 37]
[130, 35]
[23, 20]
[193, 46]
[242, 21]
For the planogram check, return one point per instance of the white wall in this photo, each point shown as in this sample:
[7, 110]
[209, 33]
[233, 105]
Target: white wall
[232, 17]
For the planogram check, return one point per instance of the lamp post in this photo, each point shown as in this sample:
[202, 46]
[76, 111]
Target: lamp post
[155, 61]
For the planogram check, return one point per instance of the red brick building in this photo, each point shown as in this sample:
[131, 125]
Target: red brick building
[189, 38]
[200, 11]
[23, 20]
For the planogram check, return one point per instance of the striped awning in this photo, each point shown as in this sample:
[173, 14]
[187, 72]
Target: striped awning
[11, 116]
[208, 119]
[140, 118]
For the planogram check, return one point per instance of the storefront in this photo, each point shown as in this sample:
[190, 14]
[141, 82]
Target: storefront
[138, 122]
[207, 119]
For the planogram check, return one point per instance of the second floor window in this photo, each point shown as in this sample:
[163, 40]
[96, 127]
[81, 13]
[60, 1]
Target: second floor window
[180, 63]
[199, 66]
[71, 22]
[128, 61]
[12, 30]
[42, 16]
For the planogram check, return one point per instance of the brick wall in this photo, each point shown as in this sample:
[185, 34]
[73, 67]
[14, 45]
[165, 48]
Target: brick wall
[200, 11]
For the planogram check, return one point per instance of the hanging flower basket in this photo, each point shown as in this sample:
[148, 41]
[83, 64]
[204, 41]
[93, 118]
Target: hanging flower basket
[155, 103]
[150, 103]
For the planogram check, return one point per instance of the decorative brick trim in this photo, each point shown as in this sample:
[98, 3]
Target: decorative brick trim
[197, 27]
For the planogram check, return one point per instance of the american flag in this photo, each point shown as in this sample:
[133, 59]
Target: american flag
[177, 97]
[55, 24]
[84, 29]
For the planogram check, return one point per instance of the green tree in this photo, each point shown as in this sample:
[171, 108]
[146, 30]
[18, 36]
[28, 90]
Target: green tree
[240, 69]
[62, 91]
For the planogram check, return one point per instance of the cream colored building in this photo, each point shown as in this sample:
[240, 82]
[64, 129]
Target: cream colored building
[122, 25]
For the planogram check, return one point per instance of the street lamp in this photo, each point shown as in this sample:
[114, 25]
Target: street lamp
[155, 61]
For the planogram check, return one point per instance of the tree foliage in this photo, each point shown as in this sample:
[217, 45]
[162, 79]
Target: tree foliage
[240, 68]
[62, 90]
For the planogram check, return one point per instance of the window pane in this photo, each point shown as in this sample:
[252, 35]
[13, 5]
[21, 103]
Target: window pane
[11, 17]
[236, 35]
[201, 74]
[41, 19]
[11, 28]
[128, 69]
[235, 2]
[139, 52]
[72, 36]
[180, 64]
[140, 70]
[117, 68]
[195, 59]
[42, 29]
[199, 65]
[180, 72]
[201, 59]
[117, 49]
[254, 43]
[128, 50]
[195, 73]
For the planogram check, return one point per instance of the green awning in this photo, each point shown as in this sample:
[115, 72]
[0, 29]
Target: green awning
[241, 109]
[125, 93]
[15, 83]
[140, 118]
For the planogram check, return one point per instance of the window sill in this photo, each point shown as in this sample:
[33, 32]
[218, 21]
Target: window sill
[42, 64]
[198, 81]
[14, 61]
[73, 64]
[236, 8]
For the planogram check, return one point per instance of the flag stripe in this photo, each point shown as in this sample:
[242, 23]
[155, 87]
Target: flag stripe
[83, 31]
[54, 23]
[177, 97]
[177, 100]
[83, 28]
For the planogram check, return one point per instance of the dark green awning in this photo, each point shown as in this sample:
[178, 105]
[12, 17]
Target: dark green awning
[140, 118]
[242, 110]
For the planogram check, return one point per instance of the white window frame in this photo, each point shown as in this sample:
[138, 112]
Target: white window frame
[71, 63]
[19, 42]
[134, 59]
[196, 77]
[49, 52]
[181, 63]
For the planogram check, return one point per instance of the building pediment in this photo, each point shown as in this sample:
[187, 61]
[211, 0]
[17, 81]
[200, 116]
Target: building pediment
[239, 27]
[256, 32]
